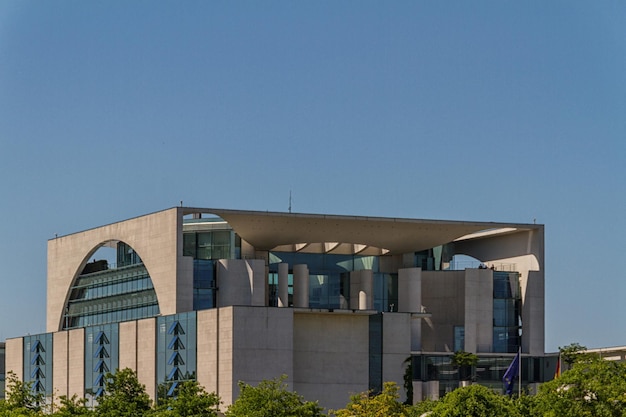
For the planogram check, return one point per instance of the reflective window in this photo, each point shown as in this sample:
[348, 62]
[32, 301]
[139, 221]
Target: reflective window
[329, 279]
[37, 351]
[106, 295]
[506, 312]
[176, 352]
[101, 356]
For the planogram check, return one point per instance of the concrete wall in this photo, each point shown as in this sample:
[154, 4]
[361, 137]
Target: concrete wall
[410, 301]
[533, 314]
[330, 356]
[68, 378]
[215, 352]
[241, 282]
[146, 361]
[207, 345]
[262, 346]
[478, 310]
[157, 238]
[525, 250]
[15, 357]
[443, 295]
[128, 345]
[396, 347]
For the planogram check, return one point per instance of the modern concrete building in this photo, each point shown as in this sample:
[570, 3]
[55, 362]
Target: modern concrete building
[336, 303]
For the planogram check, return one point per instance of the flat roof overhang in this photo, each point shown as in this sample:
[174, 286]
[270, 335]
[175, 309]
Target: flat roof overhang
[271, 230]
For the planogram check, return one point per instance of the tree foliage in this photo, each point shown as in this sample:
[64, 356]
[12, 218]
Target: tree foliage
[191, 400]
[384, 404]
[464, 361]
[271, 398]
[72, 406]
[573, 353]
[124, 396]
[20, 397]
[592, 388]
[408, 379]
[474, 401]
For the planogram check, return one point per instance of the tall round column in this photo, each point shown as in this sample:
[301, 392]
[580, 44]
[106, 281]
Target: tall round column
[366, 295]
[301, 286]
[283, 285]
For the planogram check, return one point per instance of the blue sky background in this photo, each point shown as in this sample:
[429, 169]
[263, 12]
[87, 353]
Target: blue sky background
[489, 111]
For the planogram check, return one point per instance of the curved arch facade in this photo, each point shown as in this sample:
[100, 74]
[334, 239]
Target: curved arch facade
[103, 294]
[156, 237]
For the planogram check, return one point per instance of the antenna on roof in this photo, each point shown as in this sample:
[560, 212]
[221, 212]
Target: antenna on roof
[289, 201]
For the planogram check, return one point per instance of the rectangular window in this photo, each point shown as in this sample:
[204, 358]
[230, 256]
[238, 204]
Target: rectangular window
[459, 338]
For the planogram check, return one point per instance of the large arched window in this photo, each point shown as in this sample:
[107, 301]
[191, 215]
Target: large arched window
[114, 287]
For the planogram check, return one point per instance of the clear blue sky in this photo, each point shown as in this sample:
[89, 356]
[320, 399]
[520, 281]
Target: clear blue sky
[490, 111]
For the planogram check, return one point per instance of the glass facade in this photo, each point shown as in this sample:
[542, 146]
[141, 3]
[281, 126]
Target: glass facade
[206, 247]
[2, 370]
[488, 372]
[375, 353]
[38, 363]
[176, 351]
[329, 279]
[109, 295]
[506, 312]
[101, 356]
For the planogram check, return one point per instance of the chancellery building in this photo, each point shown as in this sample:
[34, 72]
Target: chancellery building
[338, 304]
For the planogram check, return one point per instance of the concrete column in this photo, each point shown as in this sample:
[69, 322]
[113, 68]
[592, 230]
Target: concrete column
[410, 290]
[283, 285]
[15, 357]
[410, 301]
[76, 380]
[146, 342]
[431, 390]
[478, 310]
[533, 313]
[366, 294]
[241, 282]
[60, 346]
[301, 286]
[355, 289]
[417, 392]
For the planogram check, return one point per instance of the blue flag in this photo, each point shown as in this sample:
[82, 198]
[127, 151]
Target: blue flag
[511, 374]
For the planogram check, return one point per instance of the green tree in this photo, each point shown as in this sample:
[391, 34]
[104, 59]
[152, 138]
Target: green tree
[384, 404]
[20, 397]
[271, 398]
[408, 380]
[421, 408]
[464, 361]
[72, 406]
[474, 401]
[573, 353]
[123, 396]
[593, 388]
[190, 400]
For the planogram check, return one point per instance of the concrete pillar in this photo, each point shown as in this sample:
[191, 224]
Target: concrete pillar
[366, 294]
[533, 313]
[410, 301]
[301, 286]
[431, 390]
[410, 290]
[355, 289]
[283, 285]
[15, 357]
[241, 282]
[417, 392]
